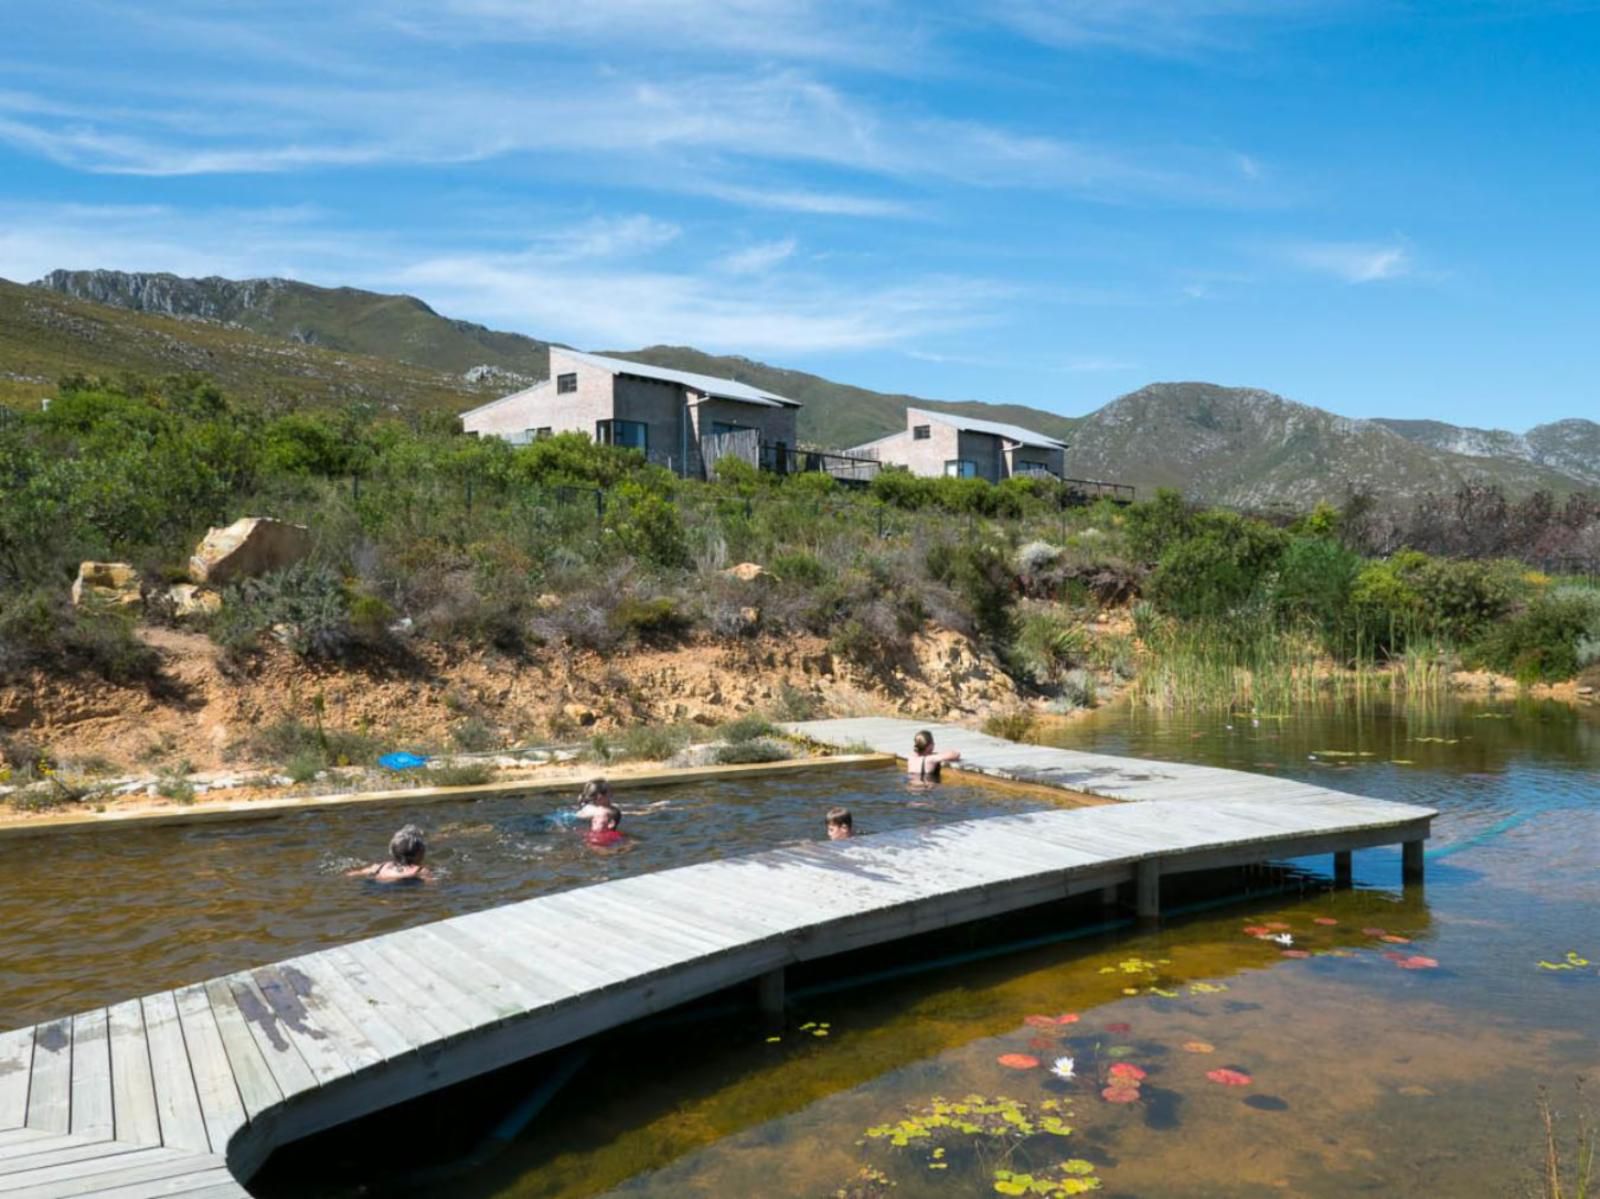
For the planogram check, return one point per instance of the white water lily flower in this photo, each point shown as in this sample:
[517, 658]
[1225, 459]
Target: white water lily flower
[1062, 1068]
[1282, 938]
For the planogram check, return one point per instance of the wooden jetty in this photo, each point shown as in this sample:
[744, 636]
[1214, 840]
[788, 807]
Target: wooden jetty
[186, 1092]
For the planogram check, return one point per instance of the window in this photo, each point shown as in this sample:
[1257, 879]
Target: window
[633, 434]
[921, 432]
[542, 432]
[719, 427]
[566, 383]
[961, 468]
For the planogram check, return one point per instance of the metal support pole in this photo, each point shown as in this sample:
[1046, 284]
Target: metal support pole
[1411, 862]
[769, 994]
[1343, 869]
[1108, 895]
[1147, 890]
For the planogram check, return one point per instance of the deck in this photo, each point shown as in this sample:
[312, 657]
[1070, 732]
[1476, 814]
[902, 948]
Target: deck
[186, 1092]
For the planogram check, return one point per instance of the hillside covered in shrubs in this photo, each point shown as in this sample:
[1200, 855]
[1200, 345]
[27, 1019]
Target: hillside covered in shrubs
[422, 535]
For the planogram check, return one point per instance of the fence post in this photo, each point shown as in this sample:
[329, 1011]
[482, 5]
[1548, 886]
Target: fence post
[599, 506]
[469, 495]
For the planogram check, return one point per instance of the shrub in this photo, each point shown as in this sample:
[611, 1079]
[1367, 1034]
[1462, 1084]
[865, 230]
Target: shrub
[747, 752]
[176, 787]
[38, 628]
[1217, 568]
[475, 735]
[304, 765]
[746, 728]
[982, 575]
[654, 743]
[1014, 725]
[657, 621]
[1544, 643]
[457, 774]
[306, 605]
[800, 569]
[1047, 645]
[1078, 689]
[794, 704]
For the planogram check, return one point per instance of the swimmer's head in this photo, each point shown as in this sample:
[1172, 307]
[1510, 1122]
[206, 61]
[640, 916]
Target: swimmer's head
[923, 742]
[841, 825]
[596, 791]
[407, 847]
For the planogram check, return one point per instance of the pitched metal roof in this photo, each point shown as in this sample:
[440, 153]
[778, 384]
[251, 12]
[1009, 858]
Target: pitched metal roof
[971, 424]
[722, 389]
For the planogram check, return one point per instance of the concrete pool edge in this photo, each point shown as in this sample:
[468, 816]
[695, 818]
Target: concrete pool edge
[14, 828]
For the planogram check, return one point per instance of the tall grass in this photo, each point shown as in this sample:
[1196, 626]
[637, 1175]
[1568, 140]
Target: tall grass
[1253, 662]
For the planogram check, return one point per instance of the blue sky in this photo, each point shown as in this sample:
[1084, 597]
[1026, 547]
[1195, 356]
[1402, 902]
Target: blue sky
[1386, 209]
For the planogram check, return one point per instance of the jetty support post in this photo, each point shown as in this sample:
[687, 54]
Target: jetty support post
[1343, 870]
[1411, 861]
[1147, 890]
[770, 994]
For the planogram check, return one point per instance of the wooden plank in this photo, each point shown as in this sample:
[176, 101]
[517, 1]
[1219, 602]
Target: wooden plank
[183, 1124]
[426, 980]
[45, 1142]
[258, 1090]
[133, 1093]
[319, 1049]
[289, 1069]
[330, 989]
[220, 1104]
[50, 1089]
[196, 1179]
[314, 1019]
[16, 1069]
[404, 990]
[504, 989]
[394, 1009]
[91, 1075]
[13, 1137]
[111, 1172]
[18, 1167]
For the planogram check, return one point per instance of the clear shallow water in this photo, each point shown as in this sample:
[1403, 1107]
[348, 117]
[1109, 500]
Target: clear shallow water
[87, 920]
[1366, 1077]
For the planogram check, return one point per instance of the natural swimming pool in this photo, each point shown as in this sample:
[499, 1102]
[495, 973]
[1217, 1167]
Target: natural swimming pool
[1395, 1047]
[94, 917]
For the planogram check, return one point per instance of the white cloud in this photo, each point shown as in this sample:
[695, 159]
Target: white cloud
[583, 284]
[1160, 27]
[757, 259]
[1353, 262]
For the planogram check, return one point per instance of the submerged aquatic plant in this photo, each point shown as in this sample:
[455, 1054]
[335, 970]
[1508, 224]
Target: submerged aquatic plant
[1073, 1177]
[1567, 1173]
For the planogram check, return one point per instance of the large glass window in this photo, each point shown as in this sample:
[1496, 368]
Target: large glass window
[921, 432]
[566, 383]
[634, 434]
[961, 468]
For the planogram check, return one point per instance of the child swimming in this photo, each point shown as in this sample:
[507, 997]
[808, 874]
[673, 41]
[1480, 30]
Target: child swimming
[407, 848]
[841, 825]
[604, 830]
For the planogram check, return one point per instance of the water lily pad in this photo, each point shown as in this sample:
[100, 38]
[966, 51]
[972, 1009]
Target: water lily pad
[1266, 1103]
[1256, 930]
[1039, 1021]
[1325, 921]
[1119, 1027]
[1119, 1051]
[1067, 1018]
[1394, 939]
[1277, 926]
[1229, 1078]
[1198, 1047]
[1041, 1044]
[1375, 932]
[1120, 1093]
[1017, 1061]
[1127, 1070]
[1296, 953]
[773, 1040]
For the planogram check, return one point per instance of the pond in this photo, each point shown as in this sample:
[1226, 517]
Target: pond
[92, 918]
[1395, 1045]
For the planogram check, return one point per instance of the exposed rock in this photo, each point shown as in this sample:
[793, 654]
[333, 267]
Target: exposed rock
[252, 545]
[190, 600]
[579, 714]
[111, 583]
[749, 572]
[750, 617]
[548, 602]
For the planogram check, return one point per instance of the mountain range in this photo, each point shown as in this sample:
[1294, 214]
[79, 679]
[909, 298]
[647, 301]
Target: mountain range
[284, 342]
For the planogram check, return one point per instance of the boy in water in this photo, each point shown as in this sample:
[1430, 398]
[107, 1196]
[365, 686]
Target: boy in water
[603, 828]
[841, 825]
[407, 848]
[597, 806]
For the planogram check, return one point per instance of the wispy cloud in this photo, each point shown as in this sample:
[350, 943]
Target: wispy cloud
[757, 259]
[1350, 261]
[1161, 27]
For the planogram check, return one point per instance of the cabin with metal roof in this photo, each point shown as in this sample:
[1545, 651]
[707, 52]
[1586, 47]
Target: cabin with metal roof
[678, 419]
[942, 443]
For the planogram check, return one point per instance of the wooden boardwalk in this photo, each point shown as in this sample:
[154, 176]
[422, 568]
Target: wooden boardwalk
[186, 1092]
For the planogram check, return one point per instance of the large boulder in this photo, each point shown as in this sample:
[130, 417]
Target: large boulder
[115, 584]
[251, 546]
[190, 601]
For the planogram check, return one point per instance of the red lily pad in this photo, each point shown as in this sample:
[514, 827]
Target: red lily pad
[1198, 1047]
[1395, 939]
[1417, 962]
[1017, 1061]
[1127, 1070]
[1277, 926]
[1325, 921]
[1394, 957]
[1119, 1028]
[1067, 1018]
[1256, 930]
[1041, 1044]
[1375, 932]
[1229, 1078]
[1296, 953]
[1039, 1021]
[1121, 1093]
